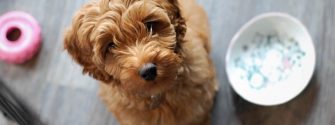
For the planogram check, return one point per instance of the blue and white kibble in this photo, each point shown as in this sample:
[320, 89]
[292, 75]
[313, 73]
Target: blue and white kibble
[268, 59]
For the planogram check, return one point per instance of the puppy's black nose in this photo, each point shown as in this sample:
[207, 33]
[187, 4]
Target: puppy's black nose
[149, 72]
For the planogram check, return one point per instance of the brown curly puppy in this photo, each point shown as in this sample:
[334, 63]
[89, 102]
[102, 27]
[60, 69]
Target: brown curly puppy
[152, 57]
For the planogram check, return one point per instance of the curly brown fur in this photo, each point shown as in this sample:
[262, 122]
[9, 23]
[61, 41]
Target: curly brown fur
[111, 40]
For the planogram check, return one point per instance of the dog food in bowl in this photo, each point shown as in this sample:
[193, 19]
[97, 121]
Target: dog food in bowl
[271, 59]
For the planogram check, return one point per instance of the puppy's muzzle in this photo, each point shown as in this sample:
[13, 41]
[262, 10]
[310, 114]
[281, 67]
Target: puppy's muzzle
[148, 72]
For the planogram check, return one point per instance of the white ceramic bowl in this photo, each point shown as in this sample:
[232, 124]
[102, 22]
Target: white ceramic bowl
[271, 59]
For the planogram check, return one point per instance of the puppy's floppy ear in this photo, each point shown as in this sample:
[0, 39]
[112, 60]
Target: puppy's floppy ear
[78, 44]
[179, 23]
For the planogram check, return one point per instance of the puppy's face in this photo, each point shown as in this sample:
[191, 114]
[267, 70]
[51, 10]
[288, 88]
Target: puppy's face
[129, 43]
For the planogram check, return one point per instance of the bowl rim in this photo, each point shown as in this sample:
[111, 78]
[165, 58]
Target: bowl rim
[246, 26]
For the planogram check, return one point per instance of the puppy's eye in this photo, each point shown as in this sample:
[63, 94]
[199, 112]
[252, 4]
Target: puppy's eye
[110, 47]
[151, 26]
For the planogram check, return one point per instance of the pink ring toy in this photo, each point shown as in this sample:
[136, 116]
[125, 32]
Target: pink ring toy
[26, 45]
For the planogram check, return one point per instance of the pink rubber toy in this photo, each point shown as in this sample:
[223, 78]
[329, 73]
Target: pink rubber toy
[28, 41]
